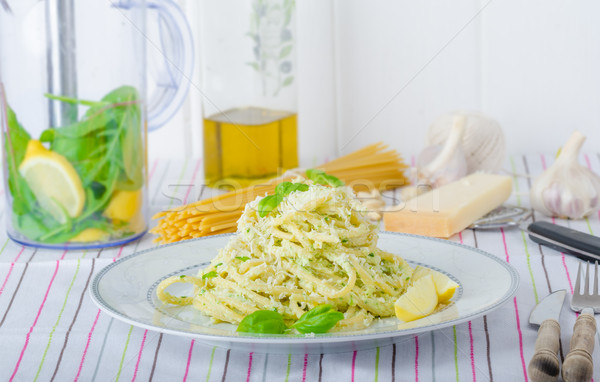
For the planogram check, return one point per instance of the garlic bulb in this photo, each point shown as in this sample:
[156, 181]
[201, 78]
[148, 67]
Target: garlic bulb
[373, 202]
[441, 164]
[567, 189]
[482, 141]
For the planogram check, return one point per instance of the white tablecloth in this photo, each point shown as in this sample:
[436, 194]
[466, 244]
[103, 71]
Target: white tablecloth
[51, 330]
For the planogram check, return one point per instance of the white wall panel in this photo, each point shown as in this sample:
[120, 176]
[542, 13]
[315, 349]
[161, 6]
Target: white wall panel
[541, 71]
[383, 70]
[402, 63]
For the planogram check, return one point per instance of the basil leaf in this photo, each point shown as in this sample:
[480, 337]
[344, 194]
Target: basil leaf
[319, 319]
[320, 177]
[209, 275]
[286, 188]
[262, 321]
[268, 204]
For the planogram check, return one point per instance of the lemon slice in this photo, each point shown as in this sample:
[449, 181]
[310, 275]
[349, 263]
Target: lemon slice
[90, 234]
[53, 180]
[124, 205]
[444, 285]
[419, 300]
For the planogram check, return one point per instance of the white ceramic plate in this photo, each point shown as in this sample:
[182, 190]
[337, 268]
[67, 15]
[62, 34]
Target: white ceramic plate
[126, 290]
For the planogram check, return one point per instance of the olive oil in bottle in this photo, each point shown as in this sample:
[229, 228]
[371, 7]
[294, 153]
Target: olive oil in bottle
[249, 144]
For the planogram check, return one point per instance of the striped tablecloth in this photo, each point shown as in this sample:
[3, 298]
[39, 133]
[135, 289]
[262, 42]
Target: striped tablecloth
[51, 330]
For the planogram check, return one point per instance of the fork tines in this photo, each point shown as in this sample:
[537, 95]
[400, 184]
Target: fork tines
[586, 299]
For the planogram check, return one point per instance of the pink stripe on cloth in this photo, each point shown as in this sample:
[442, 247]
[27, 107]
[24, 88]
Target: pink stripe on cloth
[154, 165]
[10, 269]
[249, 366]
[87, 345]
[118, 254]
[472, 351]
[304, 367]
[516, 312]
[416, 358]
[353, 364]
[189, 360]
[35, 320]
[137, 364]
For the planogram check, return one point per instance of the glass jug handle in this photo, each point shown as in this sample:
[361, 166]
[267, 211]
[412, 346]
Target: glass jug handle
[176, 44]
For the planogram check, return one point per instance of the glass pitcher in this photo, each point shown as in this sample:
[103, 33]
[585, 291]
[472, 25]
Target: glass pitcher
[250, 90]
[75, 113]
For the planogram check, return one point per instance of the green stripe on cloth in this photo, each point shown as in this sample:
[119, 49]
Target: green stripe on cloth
[212, 357]
[455, 353]
[287, 371]
[124, 352]
[60, 313]
[377, 364]
[528, 256]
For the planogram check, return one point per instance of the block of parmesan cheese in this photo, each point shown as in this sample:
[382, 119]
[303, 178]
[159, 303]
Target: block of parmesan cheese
[449, 209]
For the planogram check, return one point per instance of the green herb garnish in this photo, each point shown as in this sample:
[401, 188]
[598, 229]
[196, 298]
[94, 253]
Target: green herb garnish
[371, 254]
[270, 202]
[319, 319]
[242, 258]
[105, 147]
[320, 177]
[262, 321]
[209, 275]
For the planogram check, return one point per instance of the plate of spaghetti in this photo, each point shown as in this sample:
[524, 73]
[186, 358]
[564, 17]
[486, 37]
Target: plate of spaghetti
[306, 271]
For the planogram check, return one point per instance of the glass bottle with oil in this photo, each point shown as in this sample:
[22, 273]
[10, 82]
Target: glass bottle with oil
[250, 91]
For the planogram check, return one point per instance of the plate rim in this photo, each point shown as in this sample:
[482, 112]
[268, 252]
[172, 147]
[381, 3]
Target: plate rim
[283, 339]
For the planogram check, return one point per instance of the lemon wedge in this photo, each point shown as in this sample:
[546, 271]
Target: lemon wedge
[53, 181]
[419, 300]
[444, 285]
[90, 234]
[124, 205]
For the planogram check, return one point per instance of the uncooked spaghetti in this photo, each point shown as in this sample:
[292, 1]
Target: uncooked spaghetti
[372, 167]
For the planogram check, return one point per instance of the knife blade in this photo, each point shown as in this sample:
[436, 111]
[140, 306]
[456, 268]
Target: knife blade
[544, 365]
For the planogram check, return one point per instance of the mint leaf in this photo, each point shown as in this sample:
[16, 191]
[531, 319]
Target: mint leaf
[319, 319]
[262, 321]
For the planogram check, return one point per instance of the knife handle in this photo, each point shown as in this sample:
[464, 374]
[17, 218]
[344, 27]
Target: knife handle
[578, 365]
[567, 240]
[544, 365]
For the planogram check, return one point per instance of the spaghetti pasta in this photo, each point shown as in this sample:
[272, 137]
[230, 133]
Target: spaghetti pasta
[372, 167]
[316, 247]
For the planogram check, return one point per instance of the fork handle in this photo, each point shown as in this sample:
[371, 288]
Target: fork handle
[544, 365]
[578, 365]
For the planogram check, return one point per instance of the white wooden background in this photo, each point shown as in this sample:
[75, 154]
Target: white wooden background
[373, 70]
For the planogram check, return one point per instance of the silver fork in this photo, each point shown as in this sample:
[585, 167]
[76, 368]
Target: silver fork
[578, 365]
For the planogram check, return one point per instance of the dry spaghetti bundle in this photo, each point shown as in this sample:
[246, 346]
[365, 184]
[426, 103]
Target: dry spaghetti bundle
[372, 167]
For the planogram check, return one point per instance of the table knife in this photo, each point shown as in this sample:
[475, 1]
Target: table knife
[544, 365]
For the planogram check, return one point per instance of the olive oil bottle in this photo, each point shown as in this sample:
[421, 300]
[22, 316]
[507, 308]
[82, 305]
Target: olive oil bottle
[243, 145]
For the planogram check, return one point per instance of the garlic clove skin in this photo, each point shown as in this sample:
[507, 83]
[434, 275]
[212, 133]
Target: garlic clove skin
[567, 189]
[482, 142]
[438, 165]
